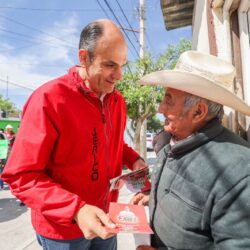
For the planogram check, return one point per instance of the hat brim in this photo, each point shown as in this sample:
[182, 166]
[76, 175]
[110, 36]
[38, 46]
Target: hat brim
[196, 85]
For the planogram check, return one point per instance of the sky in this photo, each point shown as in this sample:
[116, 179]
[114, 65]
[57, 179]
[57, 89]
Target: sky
[39, 39]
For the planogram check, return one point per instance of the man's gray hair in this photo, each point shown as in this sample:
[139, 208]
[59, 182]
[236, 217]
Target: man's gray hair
[89, 37]
[214, 109]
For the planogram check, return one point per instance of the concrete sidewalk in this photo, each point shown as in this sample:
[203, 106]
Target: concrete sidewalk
[16, 232]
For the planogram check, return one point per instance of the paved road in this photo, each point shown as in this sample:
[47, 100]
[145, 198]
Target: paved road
[16, 232]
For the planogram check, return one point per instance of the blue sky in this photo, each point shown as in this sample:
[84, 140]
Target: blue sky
[39, 39]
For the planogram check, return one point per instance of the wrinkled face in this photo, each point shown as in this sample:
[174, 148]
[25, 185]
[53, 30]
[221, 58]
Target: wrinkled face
[106, 67]
[179, 122]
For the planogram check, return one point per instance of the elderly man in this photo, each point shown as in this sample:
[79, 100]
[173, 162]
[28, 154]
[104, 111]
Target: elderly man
[200, 197]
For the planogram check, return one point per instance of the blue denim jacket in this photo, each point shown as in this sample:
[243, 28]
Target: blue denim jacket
[200, 197]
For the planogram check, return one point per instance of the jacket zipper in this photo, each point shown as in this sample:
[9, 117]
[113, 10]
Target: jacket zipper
[110, 124]
[106, 152]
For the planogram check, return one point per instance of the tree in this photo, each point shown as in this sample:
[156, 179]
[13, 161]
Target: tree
[7, 108]
[142, 101]
[154, 124]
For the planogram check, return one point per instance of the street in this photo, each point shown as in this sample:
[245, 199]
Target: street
[16, 232]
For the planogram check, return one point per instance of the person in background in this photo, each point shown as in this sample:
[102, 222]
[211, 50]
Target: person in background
[9, 132]
[2, 134]
[66, 182]
[201, 181]
[2, 161]
[10, 135]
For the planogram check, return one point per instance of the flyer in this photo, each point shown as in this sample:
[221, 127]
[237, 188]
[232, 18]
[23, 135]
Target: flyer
[135, 181]
[129, 218]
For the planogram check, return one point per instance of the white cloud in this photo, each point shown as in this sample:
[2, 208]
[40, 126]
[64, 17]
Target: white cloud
[65, 46]
[34, 65]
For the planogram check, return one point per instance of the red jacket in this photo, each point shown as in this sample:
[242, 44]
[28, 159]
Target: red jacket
[69, 146]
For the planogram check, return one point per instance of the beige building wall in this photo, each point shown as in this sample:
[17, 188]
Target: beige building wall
[244, 25]
[221, 12]
[200, 40]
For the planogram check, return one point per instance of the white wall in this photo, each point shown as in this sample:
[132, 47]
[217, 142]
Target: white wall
[221, 19]
[200, 41]
[127, 138]
[244, 25]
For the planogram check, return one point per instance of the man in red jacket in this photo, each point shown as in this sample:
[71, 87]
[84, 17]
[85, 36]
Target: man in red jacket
[65, 181]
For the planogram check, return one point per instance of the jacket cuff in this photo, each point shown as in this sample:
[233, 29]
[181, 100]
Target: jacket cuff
[140, 158]
[81, 204]
[129, 156]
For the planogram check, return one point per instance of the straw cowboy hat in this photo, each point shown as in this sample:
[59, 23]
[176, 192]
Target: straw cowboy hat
[202, 75]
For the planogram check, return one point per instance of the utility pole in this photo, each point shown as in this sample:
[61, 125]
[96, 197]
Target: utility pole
[143, 148]
[142, 29]
[7, 88]
[7, 96]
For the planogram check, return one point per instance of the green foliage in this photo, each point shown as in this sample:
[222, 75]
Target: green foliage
[154, 124]
[142, 101]
[138, 98]
[8, 106]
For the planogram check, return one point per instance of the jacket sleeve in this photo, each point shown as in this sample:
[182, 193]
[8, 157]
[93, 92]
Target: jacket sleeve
[230, 217]
[26, 170]
[129, 156]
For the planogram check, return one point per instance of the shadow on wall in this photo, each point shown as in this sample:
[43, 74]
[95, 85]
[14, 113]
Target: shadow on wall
[248, 130]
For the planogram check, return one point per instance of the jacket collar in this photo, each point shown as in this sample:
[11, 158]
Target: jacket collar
[80, 84]
[205, 134]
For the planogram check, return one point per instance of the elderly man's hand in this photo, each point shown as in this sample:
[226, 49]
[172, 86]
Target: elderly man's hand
[94, 222]
[138, 164]
[145, 248]
[141, 198]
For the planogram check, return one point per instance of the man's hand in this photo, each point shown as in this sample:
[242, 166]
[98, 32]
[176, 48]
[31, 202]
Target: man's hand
[138, 164]
[145, 248]
[141, 198]
[94, 222]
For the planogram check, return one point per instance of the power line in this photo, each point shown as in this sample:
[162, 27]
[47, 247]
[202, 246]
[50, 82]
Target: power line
[124, 33]
[121, 26]
[121, 19]
[149, 41]
[31, 42]
[32, 64]
[110, 18]
[19, 48]
[34, 29]
[16, 33]
[17, 84]
[107, 15]
[127, 20]
[27, 36]
[57, 10]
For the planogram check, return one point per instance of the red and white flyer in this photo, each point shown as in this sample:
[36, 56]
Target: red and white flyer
[135, 181]
[129, 218]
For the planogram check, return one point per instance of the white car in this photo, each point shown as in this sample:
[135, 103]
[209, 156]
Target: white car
[149, 140]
